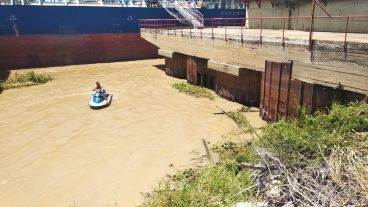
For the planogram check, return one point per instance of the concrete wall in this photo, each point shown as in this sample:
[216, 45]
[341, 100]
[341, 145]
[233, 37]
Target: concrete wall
[304, 8]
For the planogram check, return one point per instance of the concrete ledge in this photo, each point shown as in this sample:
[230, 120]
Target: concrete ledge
[223, 67]
[165, 53]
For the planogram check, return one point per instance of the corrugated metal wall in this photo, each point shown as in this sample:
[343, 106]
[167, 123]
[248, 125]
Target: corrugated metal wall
[281, 96]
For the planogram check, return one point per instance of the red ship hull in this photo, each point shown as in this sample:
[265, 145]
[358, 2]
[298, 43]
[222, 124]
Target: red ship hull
[51, 50]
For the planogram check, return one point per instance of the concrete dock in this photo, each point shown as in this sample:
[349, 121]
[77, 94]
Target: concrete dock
[277, 70]
[327, 64]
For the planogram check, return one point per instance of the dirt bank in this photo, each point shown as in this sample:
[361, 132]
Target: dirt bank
[55, 151]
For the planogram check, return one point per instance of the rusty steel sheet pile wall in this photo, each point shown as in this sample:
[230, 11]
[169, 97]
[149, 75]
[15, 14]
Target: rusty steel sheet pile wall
[282, 96]
[176, 66]
[197, 71]
[244, 88]
[275, 91]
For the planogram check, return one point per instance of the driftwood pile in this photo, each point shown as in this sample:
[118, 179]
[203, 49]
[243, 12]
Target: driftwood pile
[340, 180]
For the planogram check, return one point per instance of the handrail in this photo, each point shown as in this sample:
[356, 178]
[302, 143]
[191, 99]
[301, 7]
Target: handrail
[291, 17]
[260, 23]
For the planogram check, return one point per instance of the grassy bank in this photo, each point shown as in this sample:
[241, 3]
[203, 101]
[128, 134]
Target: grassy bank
[319, 160]
[24, 79]
[193, 90]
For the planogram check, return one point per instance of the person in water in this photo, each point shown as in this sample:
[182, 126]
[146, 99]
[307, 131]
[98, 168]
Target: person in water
[101, 90]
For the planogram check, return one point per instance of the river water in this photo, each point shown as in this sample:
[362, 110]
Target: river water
[56, 151]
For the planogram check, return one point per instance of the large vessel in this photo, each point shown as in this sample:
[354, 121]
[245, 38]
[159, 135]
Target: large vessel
[61, 32]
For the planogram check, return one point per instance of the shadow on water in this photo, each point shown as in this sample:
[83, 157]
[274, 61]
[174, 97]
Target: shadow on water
[4, 74]
[160, 67]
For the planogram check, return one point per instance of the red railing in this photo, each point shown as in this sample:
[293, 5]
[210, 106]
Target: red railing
[242, 28]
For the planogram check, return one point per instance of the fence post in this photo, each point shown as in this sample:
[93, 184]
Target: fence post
[212, 30]
[181, 27]
[190, 31]
[156, 27]
[200, 29]
[241, 33]
[283, 33]
[260, 35]
[174, 26]
[312, 26]
[345, 41]
[226, 30]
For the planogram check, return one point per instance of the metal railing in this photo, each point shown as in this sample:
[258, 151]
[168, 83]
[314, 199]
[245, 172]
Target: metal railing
[331, 37]
[340, 25]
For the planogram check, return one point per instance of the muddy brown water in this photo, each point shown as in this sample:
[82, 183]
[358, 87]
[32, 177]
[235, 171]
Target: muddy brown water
[56, 151]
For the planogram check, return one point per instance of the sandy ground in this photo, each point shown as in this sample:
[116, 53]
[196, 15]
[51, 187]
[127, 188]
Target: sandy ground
[56, 151]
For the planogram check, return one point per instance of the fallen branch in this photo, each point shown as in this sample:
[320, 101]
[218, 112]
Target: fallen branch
[244, 165]
[207, 150]
[227, 114]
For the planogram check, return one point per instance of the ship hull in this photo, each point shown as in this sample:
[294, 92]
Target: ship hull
[35, 36]
[52, 50]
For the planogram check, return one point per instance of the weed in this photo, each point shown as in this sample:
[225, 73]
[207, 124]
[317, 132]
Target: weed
[313, 136]
[25, 79]
[193, 90]
[241, 121]
[209, 186]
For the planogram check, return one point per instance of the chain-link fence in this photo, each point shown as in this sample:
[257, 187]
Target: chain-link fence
[341, 39]
[337, 38]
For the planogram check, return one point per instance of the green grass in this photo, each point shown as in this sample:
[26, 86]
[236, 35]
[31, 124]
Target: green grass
[213, 185]
[193, 90]
[298, 143]
[241, 121]
[24, 79]
[313, 136]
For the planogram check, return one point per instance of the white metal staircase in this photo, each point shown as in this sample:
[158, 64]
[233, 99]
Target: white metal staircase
[185, 11]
